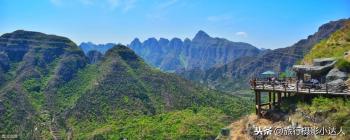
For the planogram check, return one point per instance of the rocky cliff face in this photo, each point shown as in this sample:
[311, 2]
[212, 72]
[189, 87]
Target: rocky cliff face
[4, 66]
[201, 52]
[88, 46]
[94, 56]
[236, 73]
[32, 66]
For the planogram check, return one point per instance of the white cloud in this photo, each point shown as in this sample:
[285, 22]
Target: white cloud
[241, 34]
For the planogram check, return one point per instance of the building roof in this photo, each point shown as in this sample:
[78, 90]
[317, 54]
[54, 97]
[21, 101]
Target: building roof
[323, 60]
[314, 69]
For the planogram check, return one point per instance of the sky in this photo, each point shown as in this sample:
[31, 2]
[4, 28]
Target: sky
[262, 23]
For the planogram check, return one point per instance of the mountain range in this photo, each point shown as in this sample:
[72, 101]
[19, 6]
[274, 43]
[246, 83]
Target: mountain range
[235, 74]
[201, 52]
[51, 90]
[223, 64]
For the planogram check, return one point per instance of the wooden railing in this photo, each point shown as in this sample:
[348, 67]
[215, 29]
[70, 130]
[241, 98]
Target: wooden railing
[294, 86]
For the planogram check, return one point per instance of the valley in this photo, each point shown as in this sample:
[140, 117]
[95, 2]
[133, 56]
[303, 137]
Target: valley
[331, 40]
[174, 70]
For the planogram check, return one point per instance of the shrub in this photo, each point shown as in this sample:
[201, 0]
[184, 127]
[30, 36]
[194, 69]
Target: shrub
[283, 75]
[343, 65]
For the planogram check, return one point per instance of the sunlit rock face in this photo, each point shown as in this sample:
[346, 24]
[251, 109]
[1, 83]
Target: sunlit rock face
[201, 52]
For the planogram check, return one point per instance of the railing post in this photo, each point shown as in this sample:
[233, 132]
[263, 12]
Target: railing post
[273, 99]
[259, 104]
[254, 85]
[270, 100]
[263, 85]
[297, 86]
[279, 99]
[256, 103]
[285, 88]
[326, 88]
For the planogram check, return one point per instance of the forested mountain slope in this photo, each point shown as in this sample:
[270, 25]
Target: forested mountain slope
[49, 90]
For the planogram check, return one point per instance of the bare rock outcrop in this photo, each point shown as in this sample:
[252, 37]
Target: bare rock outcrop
[335, 74]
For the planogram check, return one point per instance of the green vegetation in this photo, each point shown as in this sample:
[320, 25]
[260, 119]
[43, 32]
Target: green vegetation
[282, 75]
[335, 46]
[33, 87]
[51, 90]
[322, 111]
[195, 123]
[334, 112]
[343, 65]
[133, 101]
[35, 71]
[69, 93]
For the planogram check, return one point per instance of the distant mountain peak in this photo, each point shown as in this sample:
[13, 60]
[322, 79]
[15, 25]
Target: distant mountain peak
[136, 40]
[151, 41]
[26, 32]
[88, 46]
[38, 36]
[125, 53]
[176, 39]
[87, 43]
[163, 41]
[201, 35]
